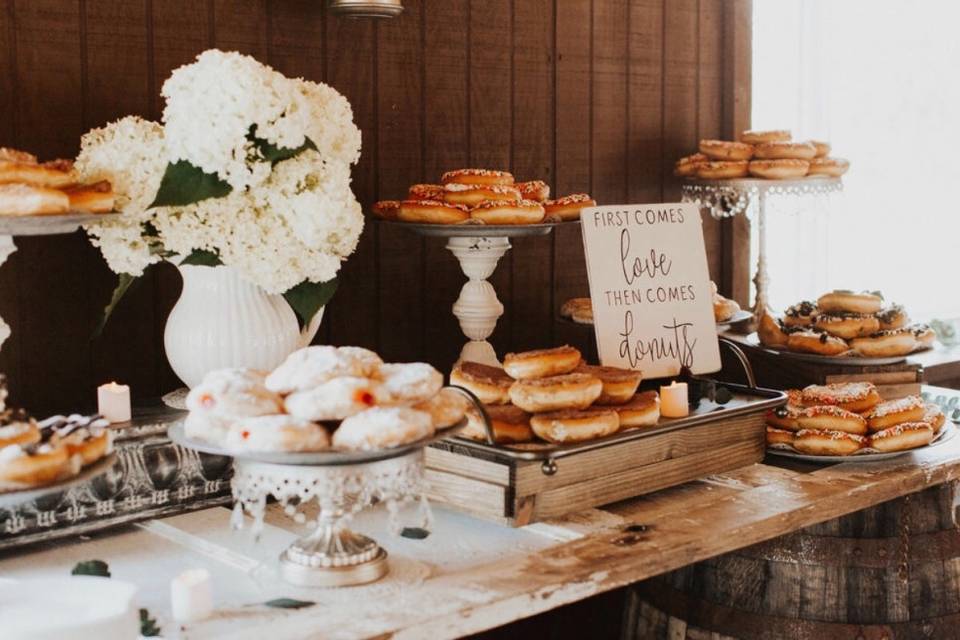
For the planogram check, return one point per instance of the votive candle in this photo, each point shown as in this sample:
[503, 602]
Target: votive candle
[191, 596]
[674, 400]
[113, 402]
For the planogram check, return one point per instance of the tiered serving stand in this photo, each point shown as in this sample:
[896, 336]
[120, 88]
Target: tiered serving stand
[752, 197]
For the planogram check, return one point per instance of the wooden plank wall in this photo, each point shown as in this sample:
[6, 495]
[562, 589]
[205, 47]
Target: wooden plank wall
[589, 95]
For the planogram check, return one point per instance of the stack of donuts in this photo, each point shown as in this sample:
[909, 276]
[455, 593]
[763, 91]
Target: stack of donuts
[32, 188]
[850, 418]
[553, 396]
[761, 154]
[322, 398]
[580, 310]
[845, 323]
[482, 196]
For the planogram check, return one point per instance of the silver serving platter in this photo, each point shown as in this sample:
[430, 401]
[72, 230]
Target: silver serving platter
[15, 498]
[761, 183]
[740, 316]
[753, 341]
[946, 433]
[47, 225]
[479, 230]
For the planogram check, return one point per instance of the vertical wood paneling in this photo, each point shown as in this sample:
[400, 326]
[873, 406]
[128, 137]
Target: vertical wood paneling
[241, 25]
[609, 101]
[296, 39]
[679, 87]
[645, 101]
[9, 272]
[710, 107]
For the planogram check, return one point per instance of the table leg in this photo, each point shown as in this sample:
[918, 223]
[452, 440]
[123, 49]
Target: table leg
[761, 279]
[478, 308]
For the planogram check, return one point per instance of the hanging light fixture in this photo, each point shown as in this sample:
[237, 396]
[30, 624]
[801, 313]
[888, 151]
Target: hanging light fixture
[366, 8]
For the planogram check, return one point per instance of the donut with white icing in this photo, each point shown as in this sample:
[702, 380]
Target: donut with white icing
[234, 393]
[312, 366]
[383, 428]
[410, 383]
[276, 433]
[335, 399]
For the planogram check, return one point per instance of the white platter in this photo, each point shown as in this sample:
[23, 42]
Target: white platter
[948, 431]
[14, 498]
[47, 225]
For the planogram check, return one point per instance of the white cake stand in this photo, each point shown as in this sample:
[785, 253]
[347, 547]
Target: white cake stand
[478, 248]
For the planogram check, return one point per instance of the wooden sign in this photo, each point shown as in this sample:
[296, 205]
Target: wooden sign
[650, 287]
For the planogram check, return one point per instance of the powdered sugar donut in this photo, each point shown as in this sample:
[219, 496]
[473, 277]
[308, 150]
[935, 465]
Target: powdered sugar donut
[334, 400]
[200, 425]
[383, 428]
[312, 366]
[276, 433]
[446, 409]
[234, 393]
[411, 382]
[368, 361]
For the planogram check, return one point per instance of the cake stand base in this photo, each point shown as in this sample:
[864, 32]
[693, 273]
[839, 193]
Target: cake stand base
[302, 575]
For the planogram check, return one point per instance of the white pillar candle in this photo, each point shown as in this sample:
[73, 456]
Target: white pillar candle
[674, 402]
[113, 402]
[191, 596]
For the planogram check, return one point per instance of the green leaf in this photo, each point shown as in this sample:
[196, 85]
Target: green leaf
[183, 184]
[202, 258]
[288, 603]
[125, 282]
[414, 533]
[91, 568]
[272, 153]
[307, 297]
[148, 626]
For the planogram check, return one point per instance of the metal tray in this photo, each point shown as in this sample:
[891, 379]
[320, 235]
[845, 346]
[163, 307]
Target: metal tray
[47, 225]
[479, 230]
[947, 433]
[97, 469]
[738, 317]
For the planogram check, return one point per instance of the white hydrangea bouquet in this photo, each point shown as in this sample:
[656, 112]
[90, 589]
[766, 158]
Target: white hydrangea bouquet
[250, 169]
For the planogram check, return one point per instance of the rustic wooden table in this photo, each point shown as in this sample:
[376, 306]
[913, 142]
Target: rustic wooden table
[469, 575]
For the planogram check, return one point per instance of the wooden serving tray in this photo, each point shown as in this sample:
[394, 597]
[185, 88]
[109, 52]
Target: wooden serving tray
[520, 484]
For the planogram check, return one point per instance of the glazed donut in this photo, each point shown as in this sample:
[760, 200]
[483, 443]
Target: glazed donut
[410, 383]
[386, 209]
[335, 399]
[29, 200]
[568, 207]
[841, 301]
[724, 308]
[892, 317]
[782, 169]
[757, 137]
[686, 167]
[784, 151]
[477, 176]
[499, 212]
[777, 436]
[828, 443]
[923, 334]
[19, 431]
[56, 174]
[802, 314]
[276, 433]
[849, 396]
[886, 344]
[541, 362]
[830, 418]
[564, 427]
[893, 412]
[573, 305]
[847, 326]
[234, 393]
[933, 416]
[446, 409]
[491, 385]
[568, 391]
[89, 443]
[470, 195]
[722, 170]
[432, 212]
[823, 148]
[312, 366]
[908, 435]
[619, 385]
[643, 410]
[35, 465]
[834, 167]
[383, 428]
[510, 425]
[818, 342]
[426, 192]
[91, 198]
[536, 190]
[724, 150]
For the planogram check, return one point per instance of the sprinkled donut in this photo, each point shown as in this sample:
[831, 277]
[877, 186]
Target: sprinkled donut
[777, 436]
[725, 150]
[723, 169]
[828, 443]
[500, 212]
[276, 433]
[687, 166]
[382, 428]
[780, 169]
[312, 366]
[426, 192]
[833, 167]
[758, 137]
[934, 417]
[894, 412]
[850, 396]
[335, 399]
[234, 393]
[908, 435]
[386, 209]
[410, 383]
[829, 418]
[477, 176]
[471, 195]
[784, 151]
[536, 190]
[432, 212]
[568, 207]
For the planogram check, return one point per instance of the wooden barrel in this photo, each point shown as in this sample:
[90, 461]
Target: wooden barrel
[890, 572]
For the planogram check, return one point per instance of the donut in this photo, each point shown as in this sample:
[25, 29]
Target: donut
[842, 301]
[568, 391]
[892, 317]
[471, 195]
[786, 417]
[568, 207]
[770, 332]
[207, 427]
[368, 361]
[686, 167]
[84, 436]
[782, 169]
[426, 192]
[833, 167]
[722, 170]
[830, 418]
[817, 342]
[564, 427]
[234, 393]
[802, 314]
[19, 431]
[446, 409]
[848, 325]
[828, 443]
[383, 428]
[643, 410]
[893, 412]
[850, 396]
[784, 151]
[91, 198]
[777, 436]
[312, 366]
[386, 209]
[886, 344]
[499, 212]
[276, 433]
[923, 334]
[933, 416]
[35, 465]
[724, 308]
[756, 137]
[335, 399]
[571, 306]
[432, 212]
[510, 424]
[477, 176]
[56, 174]
[15, 155]
[619, 385]
[29, 200]
[724, 150]
[491, 385]
[536, 190]
[410, 383]
[908, 435]
[823, 148]
[541, 362]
